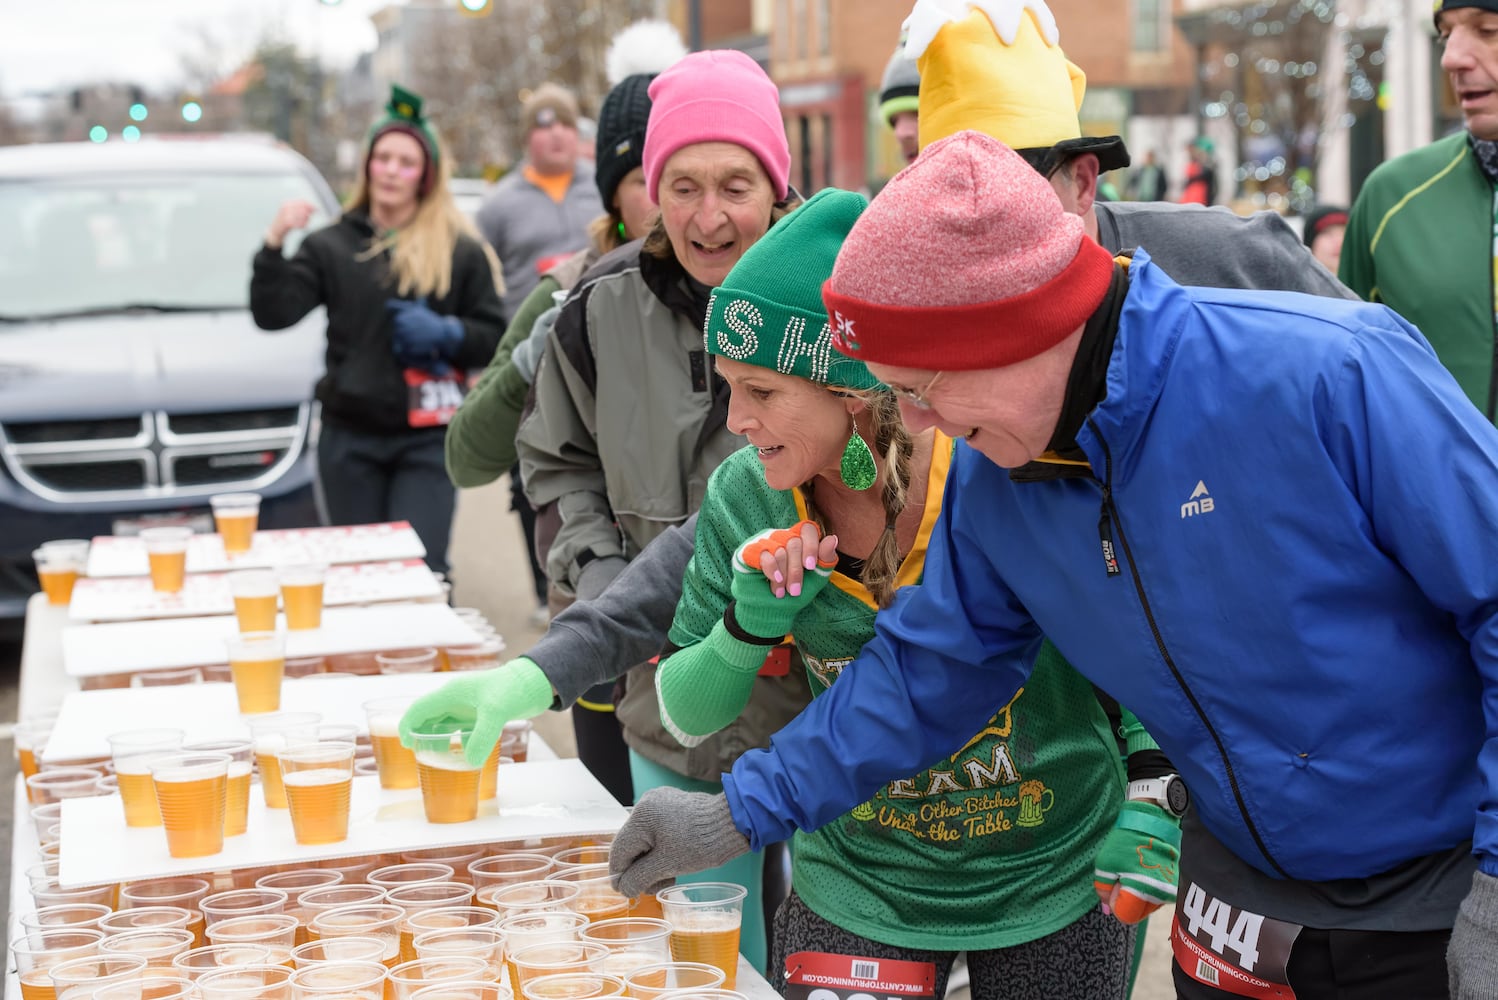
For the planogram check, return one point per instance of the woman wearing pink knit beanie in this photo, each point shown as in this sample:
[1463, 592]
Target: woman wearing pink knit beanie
[630, 417]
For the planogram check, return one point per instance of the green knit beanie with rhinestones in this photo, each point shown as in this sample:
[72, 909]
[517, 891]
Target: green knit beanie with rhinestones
[768, 311]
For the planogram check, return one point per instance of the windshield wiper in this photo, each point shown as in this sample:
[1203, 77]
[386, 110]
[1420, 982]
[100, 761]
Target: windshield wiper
[121, 309]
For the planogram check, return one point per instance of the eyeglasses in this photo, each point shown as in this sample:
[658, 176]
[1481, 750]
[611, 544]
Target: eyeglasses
[917, 397]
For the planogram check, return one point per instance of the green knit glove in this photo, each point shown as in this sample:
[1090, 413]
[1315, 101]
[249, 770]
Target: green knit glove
[1135, 871]
[704, 687]
[483, 699]
[756, 608]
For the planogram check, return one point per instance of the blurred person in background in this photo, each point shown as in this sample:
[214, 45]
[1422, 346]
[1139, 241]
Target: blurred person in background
[630, 419]
[1147, 181]
[1201, 173]
[899, 101]
[1422, 237]
[481, 439]
[1325, 226]
[535, 219]
[413, 300]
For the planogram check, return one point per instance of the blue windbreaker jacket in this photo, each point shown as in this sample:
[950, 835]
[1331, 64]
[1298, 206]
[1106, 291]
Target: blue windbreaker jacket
[1303, 509]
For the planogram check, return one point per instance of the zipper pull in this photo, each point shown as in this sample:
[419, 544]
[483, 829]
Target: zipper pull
[1105, 535]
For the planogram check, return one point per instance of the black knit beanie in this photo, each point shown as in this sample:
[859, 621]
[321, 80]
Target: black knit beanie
[1321, 218]
[1441, 5]
[621, 133]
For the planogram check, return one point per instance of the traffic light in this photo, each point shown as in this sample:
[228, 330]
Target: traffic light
[192, 111]
[476, 8]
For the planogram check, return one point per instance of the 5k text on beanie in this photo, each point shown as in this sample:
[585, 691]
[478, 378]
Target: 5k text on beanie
[965, 261]
[720, 95]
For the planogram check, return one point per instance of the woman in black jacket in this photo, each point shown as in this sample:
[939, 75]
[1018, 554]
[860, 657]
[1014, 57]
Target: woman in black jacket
[413, 301]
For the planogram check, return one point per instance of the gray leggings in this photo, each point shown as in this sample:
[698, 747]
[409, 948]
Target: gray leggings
[1086, 960]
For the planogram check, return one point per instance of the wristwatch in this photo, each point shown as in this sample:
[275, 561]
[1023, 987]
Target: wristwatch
[1168, 792]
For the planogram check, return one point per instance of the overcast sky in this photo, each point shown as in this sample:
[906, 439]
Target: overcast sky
[58, 44]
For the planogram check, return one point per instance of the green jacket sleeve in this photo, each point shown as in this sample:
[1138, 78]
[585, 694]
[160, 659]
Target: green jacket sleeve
[480, 442]
[1134, 735]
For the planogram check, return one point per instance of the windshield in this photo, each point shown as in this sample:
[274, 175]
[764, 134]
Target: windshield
[97, 244]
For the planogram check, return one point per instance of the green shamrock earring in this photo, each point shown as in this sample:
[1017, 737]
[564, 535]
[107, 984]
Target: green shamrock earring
[857, 469]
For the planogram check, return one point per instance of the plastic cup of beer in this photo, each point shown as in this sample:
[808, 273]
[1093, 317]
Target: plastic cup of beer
[554, 958]
[510, 868]
[210, 958]
[157, 945]
[632, 942]
[346, 980]
[58, 566]
[542, 896]
[160, 898]
[246, 982]
[649, 981]
[449, 784]
[50, 893]
[450, 918]
[407, 661]
[457, 858]
[525, 930]
[479, 942]
[272, 734]
[132, 751]
[381, 921]
[256, 662]
[275, 931]
[597, 898]
[338, 950]
[141, 917]
[302, 593]
[256, 595]
[397, 764]
[166, 551]
[463, 989]
[476, 656]
[318, 778]
[192, 790]
[31, 738]
[35, 953]
[294, 883]
[241, 764]
[58, 783]
[77, 978]
[408, 977]
[573, 986]
[314, 901]
[243, 903]
[75, 916]
[236, 515]
[421, 897]
[153, 987]
[515, 740]
[705, 919]
[489, 774]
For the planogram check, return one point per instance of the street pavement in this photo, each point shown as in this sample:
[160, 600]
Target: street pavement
[490, 573]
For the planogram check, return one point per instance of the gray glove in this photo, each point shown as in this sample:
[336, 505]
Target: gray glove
[1472, 956]
[669, 833]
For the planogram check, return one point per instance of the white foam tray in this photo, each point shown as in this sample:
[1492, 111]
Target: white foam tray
[128, 647]
[129, 598]
[120, 555]
[536, 799]
[211, 711]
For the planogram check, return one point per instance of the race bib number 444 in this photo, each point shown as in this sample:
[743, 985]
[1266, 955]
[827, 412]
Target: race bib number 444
[817, 975]
[1231, 949]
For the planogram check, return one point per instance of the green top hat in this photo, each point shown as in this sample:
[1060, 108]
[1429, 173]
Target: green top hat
[769, 312]
[403, 112]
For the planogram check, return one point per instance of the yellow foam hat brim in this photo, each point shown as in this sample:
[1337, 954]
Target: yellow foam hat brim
[1025, 95]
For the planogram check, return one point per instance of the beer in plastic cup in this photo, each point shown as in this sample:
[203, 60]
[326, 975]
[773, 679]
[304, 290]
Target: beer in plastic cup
[36, 952]
[192, 791]
[58, 566]
[318, 778]
[397, 764]
[705, 919]
[301, 594]
[166, 550]
[256, 662]
[58, 783]
[515, 740]
[381, 921]
[422, 897]
[157, 945]
[498, 870]
[294, 883]
[407, 661]
[271, 734]
[449, 785]
[345, 980]
[236, 515]
[573, 986]
[597, 899]
[650, 981]
[133, 751]
[632, 942]
[554, 958]
[31, 737]
[256, 594]
[542, 896]
[77, 978]
[156, 902]
[237, 805]
[275, 931]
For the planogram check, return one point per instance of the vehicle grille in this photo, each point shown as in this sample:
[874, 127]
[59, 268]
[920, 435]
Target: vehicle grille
[156, 455]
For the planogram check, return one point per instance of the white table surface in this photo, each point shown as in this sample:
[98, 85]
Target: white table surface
[115, 555]
[128, 647]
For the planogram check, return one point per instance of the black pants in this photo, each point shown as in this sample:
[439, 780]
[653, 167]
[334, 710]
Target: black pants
[522, 506]
[372, 478]
[1354, 965]
[600, 744]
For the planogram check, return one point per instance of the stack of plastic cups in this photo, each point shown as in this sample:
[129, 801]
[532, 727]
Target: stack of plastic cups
[294, 883]
[380, 921]
[414, 899]
[525, 930]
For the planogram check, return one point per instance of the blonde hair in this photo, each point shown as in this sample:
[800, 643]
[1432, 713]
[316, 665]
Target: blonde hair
[604, 232]
[421, 251]
[893, 442]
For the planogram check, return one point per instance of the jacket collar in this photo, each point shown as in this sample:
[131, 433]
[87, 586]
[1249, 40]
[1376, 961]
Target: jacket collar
[677, 290]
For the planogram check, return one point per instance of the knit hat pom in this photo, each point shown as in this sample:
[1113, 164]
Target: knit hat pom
[720, 95]
[966, 260]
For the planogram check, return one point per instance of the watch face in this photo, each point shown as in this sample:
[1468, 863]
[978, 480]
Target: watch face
[1176, 796]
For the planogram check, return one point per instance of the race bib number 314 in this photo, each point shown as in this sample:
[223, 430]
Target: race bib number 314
[431, 400]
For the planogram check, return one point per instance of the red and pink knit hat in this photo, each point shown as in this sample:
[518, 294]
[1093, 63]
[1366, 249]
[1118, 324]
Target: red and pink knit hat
[965, 260]
[720, 95]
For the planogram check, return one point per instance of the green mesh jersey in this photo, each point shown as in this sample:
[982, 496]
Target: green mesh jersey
[991, 847]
